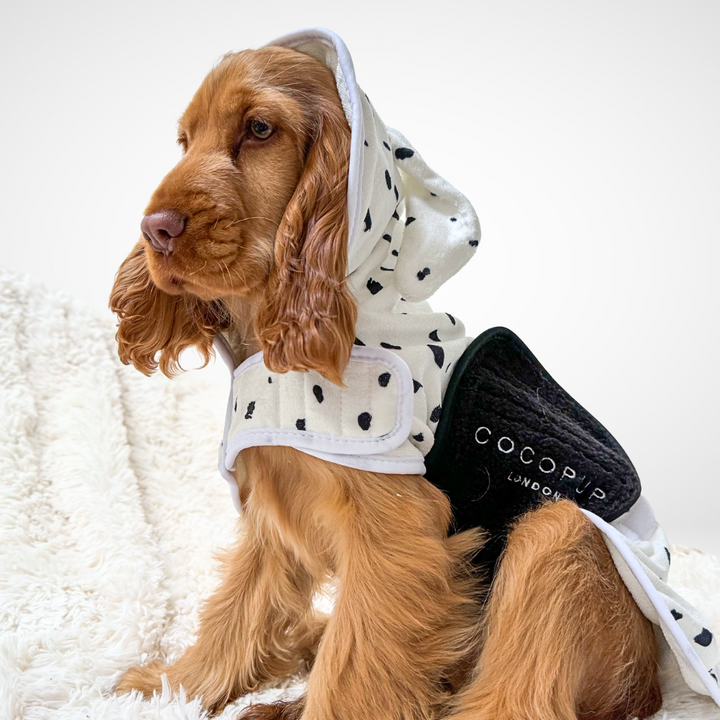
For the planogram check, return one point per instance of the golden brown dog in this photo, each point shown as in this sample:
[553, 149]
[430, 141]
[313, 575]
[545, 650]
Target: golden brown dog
[247, 235]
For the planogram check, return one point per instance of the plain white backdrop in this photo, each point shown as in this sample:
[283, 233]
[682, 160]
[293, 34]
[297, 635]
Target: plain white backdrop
[585, 133]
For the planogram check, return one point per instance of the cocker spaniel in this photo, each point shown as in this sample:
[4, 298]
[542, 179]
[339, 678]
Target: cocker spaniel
[247, 235]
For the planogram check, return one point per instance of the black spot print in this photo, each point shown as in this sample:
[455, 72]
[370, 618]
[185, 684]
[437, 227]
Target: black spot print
[387, 269]
[422, 273]
[397, 194]
[419, 437]
[387, 237]
[395, 253]
[435, 414]
[704, 638]
[438, 354]
[386, 145]
[318, 393]
[667, 552]
[453, 219]
[447, 369]
[364, 420]
[433, 194]
[676, 614]
[403, 300]
[359, 343]
[250, 410]
[474, 243]
[713, 675]
[374, 286]
[269, 380]
[409, 220]
[368, 221]
[388, 180]
[452, 319]
[388, 346]
[384, 379]
[395, 215]
[366, 145]
[235, 408]
[416, 385]
[434, 336]
[404, 153]
[300, 423]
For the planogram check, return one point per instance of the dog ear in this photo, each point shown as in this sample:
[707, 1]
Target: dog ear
[152, 321]
[306, 318]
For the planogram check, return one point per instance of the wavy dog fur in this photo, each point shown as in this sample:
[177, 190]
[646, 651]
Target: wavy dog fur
[262, 257]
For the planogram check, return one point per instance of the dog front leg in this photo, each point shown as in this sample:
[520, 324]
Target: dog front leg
[251, 630]
[402, 616]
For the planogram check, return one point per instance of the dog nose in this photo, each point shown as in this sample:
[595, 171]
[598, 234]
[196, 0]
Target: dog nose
[160, 229]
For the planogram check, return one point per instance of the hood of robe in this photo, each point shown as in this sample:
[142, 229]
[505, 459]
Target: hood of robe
[441, 230]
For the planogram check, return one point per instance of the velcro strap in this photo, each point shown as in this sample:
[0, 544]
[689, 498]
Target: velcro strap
[372, 414]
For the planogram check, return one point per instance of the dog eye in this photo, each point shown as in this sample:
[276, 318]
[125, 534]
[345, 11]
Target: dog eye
[260, 129]
[182, 141]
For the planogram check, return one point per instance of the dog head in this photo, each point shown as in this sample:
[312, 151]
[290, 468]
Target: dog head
[255, 211]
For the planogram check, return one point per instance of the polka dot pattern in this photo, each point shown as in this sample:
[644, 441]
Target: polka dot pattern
[374, 286]
[704, 638]
[438, 354]
[367, 221]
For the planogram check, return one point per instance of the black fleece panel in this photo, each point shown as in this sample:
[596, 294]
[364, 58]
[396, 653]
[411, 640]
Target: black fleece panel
[510, 438]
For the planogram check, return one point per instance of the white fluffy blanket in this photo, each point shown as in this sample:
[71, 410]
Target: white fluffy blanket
[111, 508]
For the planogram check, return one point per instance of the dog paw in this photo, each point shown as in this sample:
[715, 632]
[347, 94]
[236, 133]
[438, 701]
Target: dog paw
[146, 679]
[290, 710]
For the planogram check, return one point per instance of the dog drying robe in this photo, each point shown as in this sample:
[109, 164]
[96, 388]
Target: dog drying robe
[409, 232]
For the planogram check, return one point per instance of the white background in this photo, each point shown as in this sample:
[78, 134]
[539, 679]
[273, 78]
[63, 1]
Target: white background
[587, 134]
